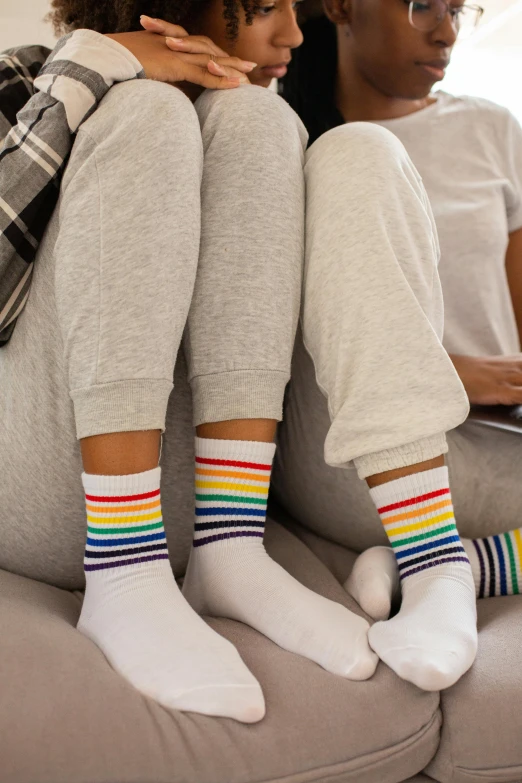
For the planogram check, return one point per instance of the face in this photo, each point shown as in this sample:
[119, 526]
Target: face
[397, 59]
[268, 41]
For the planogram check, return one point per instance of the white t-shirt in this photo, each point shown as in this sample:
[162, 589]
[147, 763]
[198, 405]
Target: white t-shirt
[468, 152]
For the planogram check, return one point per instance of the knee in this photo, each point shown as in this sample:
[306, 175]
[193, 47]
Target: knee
[356, 148]
[249, 111]
[155, 113]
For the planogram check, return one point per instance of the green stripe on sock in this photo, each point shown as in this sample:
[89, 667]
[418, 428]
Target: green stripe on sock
[423, 536]
[232, 498]
[513, 564]
[124, 529]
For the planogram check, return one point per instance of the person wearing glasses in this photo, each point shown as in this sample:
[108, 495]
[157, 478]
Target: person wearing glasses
[377, 61]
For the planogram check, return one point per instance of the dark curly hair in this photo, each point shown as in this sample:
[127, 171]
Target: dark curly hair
[122, 16]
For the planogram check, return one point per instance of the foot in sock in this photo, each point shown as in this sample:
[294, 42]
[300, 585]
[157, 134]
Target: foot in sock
[432, 641]
[496, 565]
[134, 611]
[231, 575]
[374, 582]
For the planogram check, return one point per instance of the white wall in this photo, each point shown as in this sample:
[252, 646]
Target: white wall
[489, 63]
[22, 22]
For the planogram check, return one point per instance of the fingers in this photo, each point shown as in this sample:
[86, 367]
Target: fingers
[194, 45]
[201, 76]
[512, 395]
[215, 68]
[222, 69]
[164, 28]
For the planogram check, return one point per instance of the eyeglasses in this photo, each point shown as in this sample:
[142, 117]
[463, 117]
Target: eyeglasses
[427, 15]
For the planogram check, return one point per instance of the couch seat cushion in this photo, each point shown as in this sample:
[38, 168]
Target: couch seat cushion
[67, 717]
[482, 714]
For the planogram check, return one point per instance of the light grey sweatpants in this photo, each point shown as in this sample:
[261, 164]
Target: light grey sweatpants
[168, 224]
[368, 371]
[165, 224]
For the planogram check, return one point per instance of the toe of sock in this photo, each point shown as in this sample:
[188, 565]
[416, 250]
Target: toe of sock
[432, 674]
[244, 703]
[362, 661]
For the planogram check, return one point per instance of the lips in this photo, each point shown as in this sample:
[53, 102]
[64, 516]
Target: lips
[436, 68]
[277, 70]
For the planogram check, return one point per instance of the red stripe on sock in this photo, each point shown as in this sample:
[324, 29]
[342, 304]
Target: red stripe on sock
[232, 463]
[412, 501]
[123, 498]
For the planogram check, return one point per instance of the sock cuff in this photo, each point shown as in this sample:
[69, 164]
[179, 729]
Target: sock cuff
[132, 484]
[414, 485]
[255, 452]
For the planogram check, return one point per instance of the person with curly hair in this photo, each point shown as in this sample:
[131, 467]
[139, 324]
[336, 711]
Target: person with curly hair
[176, 252]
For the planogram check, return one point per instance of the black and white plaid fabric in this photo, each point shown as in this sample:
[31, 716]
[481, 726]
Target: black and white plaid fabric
[37, 126]
[28, 174]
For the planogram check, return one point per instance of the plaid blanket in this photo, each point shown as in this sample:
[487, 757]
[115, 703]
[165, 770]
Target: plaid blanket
[44, 97]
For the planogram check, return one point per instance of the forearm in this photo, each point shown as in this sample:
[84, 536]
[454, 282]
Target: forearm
[514, 275]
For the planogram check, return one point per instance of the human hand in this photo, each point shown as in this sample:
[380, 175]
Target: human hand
[168, 54]
[491, 380]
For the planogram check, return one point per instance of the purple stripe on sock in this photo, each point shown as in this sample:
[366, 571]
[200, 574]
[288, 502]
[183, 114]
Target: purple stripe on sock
[223, 536]
[100, 566]
[432, 563]
[482, 569]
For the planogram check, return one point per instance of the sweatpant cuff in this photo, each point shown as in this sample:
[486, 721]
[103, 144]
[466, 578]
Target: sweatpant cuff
[122, 406]
[241, 394]
[401, 456]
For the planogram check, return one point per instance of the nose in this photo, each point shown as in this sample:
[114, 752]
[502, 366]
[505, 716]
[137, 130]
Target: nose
[288, 33]
[446, 33]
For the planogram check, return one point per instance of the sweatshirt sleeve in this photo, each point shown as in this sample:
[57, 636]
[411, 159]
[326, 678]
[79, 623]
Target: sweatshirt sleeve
[42, 105]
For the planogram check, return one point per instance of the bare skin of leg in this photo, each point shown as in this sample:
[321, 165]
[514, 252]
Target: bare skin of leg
[260, 430]
[391, 475]
[123, 453]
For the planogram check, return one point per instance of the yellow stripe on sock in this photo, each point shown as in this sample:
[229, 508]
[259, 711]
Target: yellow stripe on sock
[426, 523]
[122, 508]
[518, 539]
[233, 487]
[120, 520]
[417, 512]
[232, 474]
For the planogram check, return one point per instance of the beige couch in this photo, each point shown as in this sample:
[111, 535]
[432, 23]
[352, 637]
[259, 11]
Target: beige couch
[66, 717]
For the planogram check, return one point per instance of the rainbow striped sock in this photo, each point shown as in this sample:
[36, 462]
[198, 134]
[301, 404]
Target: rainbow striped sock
[231, 494]
[420, 525]
[432, 640]
[124, 521]
[135, 612]
[230, 573]
[496, 563]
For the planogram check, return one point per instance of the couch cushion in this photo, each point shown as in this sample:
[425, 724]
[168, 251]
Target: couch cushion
[67, 717]
[482, 725]
[419, 779]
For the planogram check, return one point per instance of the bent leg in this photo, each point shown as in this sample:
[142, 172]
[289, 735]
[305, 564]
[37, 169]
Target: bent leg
[240, 338]
[372, 323]
[122, 306]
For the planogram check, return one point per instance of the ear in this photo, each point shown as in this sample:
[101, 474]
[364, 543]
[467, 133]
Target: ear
[338, 11]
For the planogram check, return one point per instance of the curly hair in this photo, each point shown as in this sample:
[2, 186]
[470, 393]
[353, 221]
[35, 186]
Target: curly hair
[122, 16]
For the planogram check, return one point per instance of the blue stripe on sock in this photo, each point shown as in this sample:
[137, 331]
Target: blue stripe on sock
[429, 545]
[219, 511]
[124, 540]
[502, 565]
